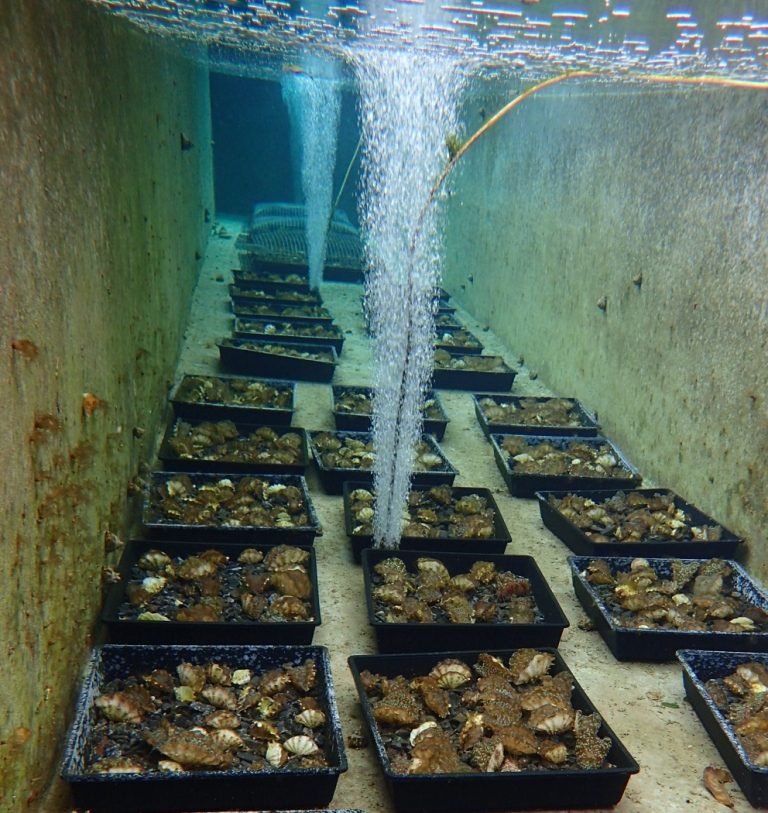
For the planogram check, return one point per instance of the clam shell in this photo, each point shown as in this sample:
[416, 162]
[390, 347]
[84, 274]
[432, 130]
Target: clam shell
[276, 755]
[311, 718]
[301, 745]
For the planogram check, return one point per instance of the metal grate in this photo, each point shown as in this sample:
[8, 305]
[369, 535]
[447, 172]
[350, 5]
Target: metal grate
[292, 211]
[283, 240]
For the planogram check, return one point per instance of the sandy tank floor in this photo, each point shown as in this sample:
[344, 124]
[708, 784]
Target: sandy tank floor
[643, 703]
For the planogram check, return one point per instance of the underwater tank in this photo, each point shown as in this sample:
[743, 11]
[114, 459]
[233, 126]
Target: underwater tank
[442, 212]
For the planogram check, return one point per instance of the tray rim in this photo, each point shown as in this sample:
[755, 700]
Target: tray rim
[233, 344]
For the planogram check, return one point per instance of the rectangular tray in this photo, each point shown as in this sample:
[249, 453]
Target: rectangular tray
[473, 379]
[475, 349]
[448, 320]
[209, 411]
[655, 645]
[181, 632]
[250, 328]
[296, 310]
[588, 428]
[496, 544]
[198, 790]
[415, 637]
[516, 790]
[526, 485]
[581, 544]
[333, 479]
[255, 287]
[256, 263]
[212, 534]
[269, 280]
[361, 422]
[698, 668]
[171, 460]
[242, 359]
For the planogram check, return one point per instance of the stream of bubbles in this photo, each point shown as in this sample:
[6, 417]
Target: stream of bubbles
[408, 106]
[313, 99]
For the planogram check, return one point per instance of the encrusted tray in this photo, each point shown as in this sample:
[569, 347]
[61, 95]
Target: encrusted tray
[588, 427]
[628, 644]
[416, 637]
[495, 544]
[526, 485]
[133, 631]
[515, 790]
[235, 356]
[199, 789]
[578, 541]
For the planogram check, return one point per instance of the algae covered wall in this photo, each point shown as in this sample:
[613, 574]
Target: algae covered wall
[655, 204]
[102, 228]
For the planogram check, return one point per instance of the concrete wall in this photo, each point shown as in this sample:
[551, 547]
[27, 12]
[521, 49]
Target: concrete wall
[572, 197]
[102, 225]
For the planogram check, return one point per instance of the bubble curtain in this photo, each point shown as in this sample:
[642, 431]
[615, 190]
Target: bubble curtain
[313, 99]
[408, 103]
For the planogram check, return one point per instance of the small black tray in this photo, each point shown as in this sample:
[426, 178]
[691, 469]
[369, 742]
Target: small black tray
[198, 790]
[448, 320]
[474, 349]
[496, 544]
[698, 668]
[473, 379]
[257, 289]
[515, 790]
[655, 644]
[241, 304]
[181, 632]
[248, 328]
[333, 479]
[582, 545]
[171, 460]
[210, 411]
[588, 428]
[361, 422]
[526, 485]
[156, 528]
[415, 637]
[242, 359]
[270, 280]
[256, 263]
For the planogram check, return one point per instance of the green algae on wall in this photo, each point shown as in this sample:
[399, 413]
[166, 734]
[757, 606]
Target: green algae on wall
[102, 227]
[653, 203]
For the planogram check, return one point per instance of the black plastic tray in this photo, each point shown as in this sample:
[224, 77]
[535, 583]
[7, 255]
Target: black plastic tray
[581, 544]
[246, 328]
[236, 357]
[199, 790]
[270, 280]
[472, 350]
[179, 632]
[241, 303]
[698, 668]
[588, 428]
[496, 544]
[448, 320]
[333, 479]
[473, 379]
[515, 790]
[655, 644]
[526, 485]
[170, 460]
[209, 411]
[213, 534]
[415, 637]
[361, 422]
[258, 289]
[256, 263]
